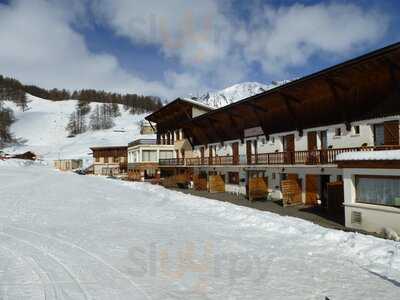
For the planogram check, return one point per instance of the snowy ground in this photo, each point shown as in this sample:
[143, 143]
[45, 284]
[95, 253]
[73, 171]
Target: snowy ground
[43, 127]
[65, 236]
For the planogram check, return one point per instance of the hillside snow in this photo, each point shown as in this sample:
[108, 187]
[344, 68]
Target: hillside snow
[65, 236]
[236, 92]
[43, 127]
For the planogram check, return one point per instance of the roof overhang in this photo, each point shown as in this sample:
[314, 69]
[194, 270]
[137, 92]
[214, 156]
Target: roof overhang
[363, 88]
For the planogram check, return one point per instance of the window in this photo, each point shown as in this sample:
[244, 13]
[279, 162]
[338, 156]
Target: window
[356, 129]
[338, 131]
[97, 159]
[379, 190]
[379, 134]
[233, 177]
[273, 176]
[273, 140]
[149, 155]
[166, 154]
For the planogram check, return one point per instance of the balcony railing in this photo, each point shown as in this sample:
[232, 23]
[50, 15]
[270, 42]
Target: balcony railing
[172, 162]
[313, 157]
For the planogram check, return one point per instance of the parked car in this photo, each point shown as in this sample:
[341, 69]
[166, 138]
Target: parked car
[80, 172]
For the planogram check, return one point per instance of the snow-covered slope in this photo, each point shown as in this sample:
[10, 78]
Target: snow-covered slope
[43, 127]
[65, 236]
[236, 92]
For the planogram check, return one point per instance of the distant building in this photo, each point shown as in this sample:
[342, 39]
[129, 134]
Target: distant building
[143, 158]
[110, 160]
[146, 128]
[27, 155]
[68, 164]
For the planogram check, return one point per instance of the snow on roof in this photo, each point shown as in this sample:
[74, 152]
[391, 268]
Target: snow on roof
[370, 155]
[198, 103]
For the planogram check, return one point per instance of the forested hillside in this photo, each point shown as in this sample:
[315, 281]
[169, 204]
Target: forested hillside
[100, 118]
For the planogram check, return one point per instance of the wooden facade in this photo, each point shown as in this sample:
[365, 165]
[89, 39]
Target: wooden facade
[111, 160]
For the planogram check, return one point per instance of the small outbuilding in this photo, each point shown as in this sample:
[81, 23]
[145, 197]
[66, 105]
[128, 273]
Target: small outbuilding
[68, 164]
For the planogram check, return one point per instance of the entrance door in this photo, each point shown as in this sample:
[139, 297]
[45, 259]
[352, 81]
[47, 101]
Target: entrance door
[235, 153]
[288, 147]
[312, 189]
[312, 140]
[248, 152]
[202, 155]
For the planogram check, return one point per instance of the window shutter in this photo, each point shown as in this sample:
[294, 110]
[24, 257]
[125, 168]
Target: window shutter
[391, 133]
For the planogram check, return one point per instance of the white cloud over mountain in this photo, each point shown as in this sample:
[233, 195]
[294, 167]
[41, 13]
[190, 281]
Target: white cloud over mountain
[213, 44]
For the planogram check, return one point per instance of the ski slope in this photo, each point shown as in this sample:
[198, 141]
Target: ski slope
[43, 127]
[65, 236]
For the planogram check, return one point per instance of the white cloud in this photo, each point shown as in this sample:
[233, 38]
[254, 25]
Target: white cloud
[40, 47]
[289, 36]
[213, 47]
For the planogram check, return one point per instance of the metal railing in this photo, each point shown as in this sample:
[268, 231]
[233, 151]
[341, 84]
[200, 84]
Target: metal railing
[312, 157]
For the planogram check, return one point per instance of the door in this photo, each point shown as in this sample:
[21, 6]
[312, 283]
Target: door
[288, 147]
[312, 189]
[391, 133]
[324, 146]
[235, 153]
[291, 190]
[202, 155]
[210, 155]
[312, 140]
[248, 152]
[312, 147]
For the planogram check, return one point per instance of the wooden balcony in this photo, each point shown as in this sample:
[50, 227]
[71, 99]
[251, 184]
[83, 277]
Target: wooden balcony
[314, 157]
[172, 162]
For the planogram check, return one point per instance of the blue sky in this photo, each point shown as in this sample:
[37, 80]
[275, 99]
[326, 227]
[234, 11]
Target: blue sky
[180, 47]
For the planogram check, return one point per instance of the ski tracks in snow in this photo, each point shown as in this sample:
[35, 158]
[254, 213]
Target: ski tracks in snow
[59, 255]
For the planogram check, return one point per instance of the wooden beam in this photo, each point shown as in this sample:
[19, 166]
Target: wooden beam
[393, 77]
[289, 97]
[152, 127]
[339, 101]
[261, 122]
[334, 81]
[238, 131]
[217, 132]
[255, 106]
[393, 63]
[292, 113]
[188, 136]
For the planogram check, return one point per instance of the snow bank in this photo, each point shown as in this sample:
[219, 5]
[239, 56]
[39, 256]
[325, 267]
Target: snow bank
[88, 237]
[370, 155]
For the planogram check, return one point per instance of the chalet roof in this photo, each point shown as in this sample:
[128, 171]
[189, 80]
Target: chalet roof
[362, 88]
[170, 116]
[108, 148]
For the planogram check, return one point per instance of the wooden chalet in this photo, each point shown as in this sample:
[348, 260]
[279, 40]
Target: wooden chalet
[112, 160]
[284, 142]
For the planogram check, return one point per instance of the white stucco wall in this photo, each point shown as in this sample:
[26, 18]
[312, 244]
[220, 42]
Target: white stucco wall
[374, 217]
